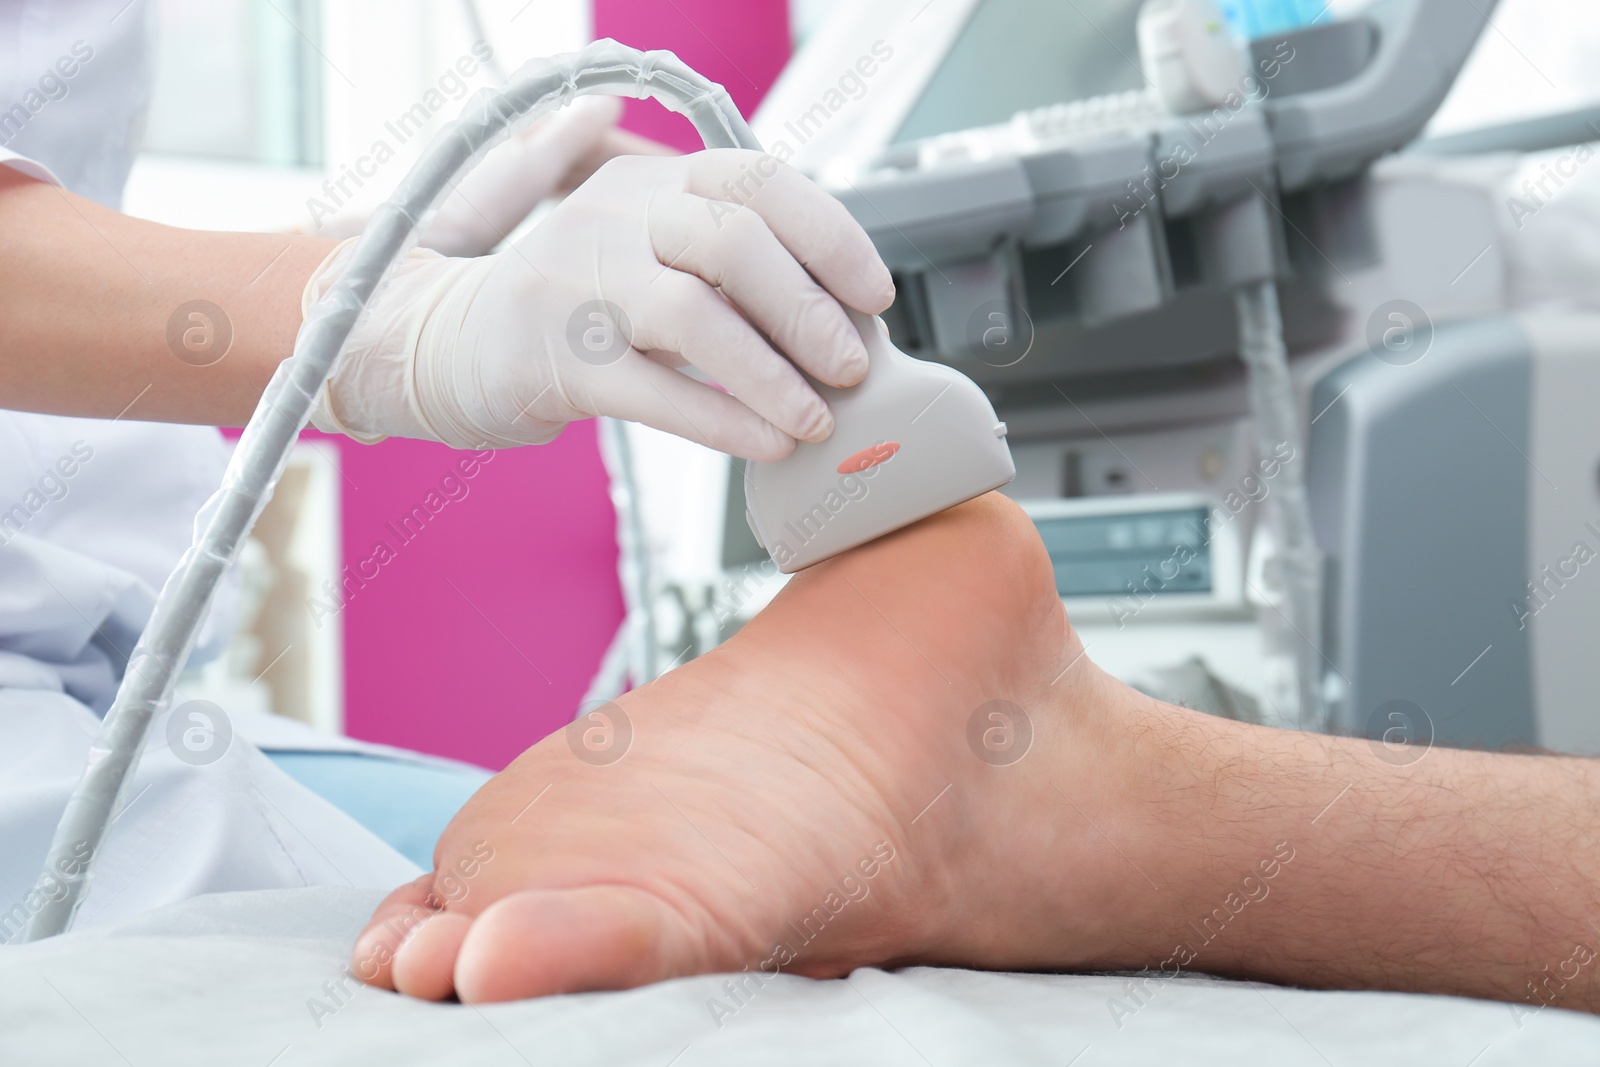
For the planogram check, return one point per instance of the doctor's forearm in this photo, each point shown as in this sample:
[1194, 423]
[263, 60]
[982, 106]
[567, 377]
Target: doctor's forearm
[101, 313]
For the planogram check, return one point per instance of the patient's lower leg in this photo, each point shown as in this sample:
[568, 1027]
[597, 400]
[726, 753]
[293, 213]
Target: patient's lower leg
[908, 758]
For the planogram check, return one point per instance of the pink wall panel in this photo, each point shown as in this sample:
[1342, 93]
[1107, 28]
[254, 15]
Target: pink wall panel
[482, 626]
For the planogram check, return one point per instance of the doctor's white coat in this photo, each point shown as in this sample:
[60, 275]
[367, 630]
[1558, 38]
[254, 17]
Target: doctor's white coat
[93, 515]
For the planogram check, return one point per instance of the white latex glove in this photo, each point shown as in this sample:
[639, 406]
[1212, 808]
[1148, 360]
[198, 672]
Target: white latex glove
[654, 264]
[549, 157]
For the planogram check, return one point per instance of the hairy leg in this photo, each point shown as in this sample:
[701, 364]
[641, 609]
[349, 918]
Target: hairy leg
[907, 758]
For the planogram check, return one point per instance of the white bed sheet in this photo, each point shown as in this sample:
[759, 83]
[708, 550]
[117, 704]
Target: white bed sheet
[245, 978]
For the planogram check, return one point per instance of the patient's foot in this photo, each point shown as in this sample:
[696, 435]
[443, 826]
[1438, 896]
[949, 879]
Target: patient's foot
[846, 782]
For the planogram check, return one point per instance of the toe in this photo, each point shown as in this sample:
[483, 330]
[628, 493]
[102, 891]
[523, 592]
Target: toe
[542, 941]
[372, 958]
[424, 963]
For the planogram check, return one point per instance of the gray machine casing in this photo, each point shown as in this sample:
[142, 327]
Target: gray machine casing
[1463, 534]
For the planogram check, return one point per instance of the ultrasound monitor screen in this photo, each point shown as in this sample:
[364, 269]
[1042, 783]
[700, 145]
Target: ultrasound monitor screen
[1015, 55]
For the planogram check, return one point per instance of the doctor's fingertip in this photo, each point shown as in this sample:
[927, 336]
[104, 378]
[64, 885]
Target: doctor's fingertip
[877, 283]
[853, 367]
[859, 279]
[873, 290]
[763, 444]
[818, 425]
[885, 290]
[838, 359]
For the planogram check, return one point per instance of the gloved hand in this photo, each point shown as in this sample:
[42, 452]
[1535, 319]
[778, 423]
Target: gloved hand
[654, 264]
[552, 156]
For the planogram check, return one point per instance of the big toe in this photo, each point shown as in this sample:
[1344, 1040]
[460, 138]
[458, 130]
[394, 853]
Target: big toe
[541, 941]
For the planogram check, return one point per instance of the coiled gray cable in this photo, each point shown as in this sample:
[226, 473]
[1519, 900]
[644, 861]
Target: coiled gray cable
[227, 518]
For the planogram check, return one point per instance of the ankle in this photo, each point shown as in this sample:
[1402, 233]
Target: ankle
[1152, 806]
[1215, 831]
